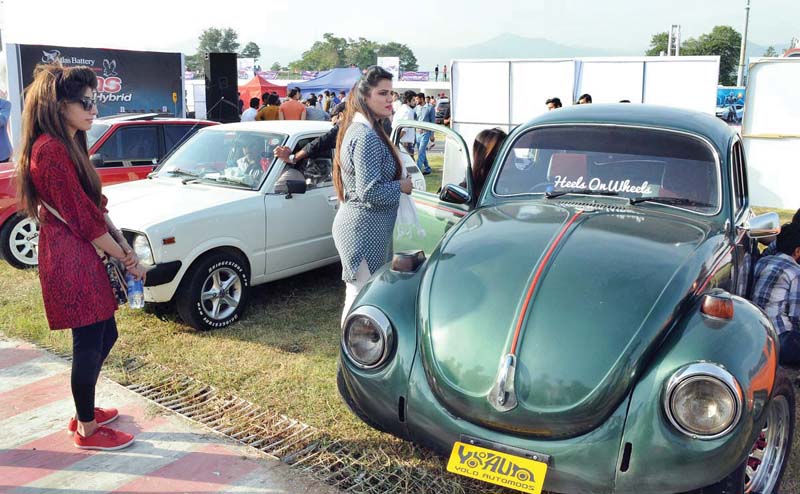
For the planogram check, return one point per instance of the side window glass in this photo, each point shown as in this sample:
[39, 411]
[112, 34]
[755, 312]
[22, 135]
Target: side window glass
[739, 179]
[133, 143]
[445, 156]
[175, 134]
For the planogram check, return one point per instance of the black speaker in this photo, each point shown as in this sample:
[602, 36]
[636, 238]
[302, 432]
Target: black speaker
[222, 78]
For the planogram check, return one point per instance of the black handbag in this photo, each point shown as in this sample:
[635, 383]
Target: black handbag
[114, 268]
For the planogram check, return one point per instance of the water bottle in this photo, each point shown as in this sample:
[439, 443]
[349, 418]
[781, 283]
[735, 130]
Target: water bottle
[135, 292]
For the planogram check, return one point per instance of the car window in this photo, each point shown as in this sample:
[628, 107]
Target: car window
[739, 174]
[630, 162]
[95, 132]
[131, 143]
[174, 134]
[220, 157]
[317, 171]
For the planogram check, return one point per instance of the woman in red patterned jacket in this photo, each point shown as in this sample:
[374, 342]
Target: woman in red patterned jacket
[54, 169]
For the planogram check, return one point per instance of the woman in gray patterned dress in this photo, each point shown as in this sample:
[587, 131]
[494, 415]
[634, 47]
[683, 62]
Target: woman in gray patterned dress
[367, 177]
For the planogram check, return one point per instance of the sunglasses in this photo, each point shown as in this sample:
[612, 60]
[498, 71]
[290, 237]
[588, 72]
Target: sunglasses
[87, 102]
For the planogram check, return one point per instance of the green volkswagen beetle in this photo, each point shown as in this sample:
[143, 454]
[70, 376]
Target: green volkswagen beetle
[581, 325]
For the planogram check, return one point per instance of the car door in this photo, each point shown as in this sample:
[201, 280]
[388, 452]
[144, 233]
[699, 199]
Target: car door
[129, 153]
[450, 161]
[744, 247]
[299, 227]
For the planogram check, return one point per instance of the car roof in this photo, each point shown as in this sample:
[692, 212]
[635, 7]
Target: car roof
[147, 117]
[642, 115]
[279, 126]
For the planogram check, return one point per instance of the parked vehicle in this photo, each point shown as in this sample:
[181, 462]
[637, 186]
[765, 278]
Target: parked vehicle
[122, 147]
[580, 325]
[222, 214]
[730, 113]
[442, 110]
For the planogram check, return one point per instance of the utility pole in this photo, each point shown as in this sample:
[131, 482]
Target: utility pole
[740, 74]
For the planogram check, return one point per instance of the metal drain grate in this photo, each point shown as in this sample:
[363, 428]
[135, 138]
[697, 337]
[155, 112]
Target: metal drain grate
[359, 468]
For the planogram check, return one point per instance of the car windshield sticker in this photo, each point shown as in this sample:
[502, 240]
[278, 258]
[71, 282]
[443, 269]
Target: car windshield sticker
[621, 186]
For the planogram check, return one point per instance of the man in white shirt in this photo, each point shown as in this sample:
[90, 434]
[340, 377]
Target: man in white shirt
[249, 115]
[406, 112]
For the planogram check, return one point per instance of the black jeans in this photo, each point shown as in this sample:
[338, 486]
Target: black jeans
[90, 346]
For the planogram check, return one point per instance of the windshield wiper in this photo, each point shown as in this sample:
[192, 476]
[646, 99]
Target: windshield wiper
[681, 201]
[558, 193]
[183, 173]
[224, 180]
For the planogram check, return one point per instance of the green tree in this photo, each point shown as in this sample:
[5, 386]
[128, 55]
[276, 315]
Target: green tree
[361, 53]
[322, 55]
[216, 40]
[275, 66]
[723, 41]
[195, 63]
[251, 50]
[770, 52]
[407, 59]
[658, 44]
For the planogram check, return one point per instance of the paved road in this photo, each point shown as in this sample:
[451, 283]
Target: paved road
[170, 455]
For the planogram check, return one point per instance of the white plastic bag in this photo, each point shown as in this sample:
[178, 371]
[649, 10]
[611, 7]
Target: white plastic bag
[407, 219]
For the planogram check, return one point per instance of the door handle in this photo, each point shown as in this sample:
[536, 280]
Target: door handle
[333, 201]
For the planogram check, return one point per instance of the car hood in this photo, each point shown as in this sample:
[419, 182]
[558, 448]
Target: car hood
[600, 304]
[143, 203]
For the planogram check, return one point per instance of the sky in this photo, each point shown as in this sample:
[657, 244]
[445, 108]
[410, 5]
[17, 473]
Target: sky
[284, 28]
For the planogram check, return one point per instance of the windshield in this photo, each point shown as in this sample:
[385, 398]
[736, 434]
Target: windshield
[95, 132]
[673, 169]
[224, 157]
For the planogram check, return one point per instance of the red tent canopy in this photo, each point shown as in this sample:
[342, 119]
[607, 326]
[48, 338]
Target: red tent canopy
[257, 86]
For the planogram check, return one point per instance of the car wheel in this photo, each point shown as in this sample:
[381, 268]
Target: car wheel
[762, 471]
[19, 241]
[348, 400]
[214, 292]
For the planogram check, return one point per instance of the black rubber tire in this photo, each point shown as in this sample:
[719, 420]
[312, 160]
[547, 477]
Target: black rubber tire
[348, 400]
[188, 302]
[5, 242]
[734, 483]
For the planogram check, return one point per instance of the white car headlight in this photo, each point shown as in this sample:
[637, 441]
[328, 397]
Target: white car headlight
[368, 337]
[703, 400]
[141, 246]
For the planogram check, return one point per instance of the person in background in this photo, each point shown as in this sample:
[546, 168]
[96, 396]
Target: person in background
[406, 112]
[53, 171]
[553, 104]
[585, 99]
[444, 72]
[367, 177]
[5, 115]
[270, 109]
[314, 113]
[292, 109]
[249, 115]
[320, 100]
[327, 103]
[436, 73]
[772, 248]
[484, 151]
[319, 147]
[777, 291]
[342, 97]
[396, 102]
[240, 105]
[425, 113]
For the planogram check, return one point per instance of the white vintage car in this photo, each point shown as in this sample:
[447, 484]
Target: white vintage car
[222, 214]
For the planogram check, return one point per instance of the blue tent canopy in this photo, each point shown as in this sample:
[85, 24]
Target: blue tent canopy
[331, 80]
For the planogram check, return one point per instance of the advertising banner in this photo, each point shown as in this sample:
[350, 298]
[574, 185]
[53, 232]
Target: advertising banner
[415, 76]
[246, 67]
[730, 96]
[310, 74]
[268, 74]
[127, 81]
[392, 64]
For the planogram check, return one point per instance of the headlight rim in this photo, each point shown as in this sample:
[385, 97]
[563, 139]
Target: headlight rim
[151, 258]
[709, 371]
[384, 326]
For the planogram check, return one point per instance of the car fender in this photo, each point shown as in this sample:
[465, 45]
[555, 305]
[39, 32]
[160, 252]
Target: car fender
[653, 453]
[382, 393]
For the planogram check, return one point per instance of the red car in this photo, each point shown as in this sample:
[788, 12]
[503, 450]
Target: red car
[123, 148]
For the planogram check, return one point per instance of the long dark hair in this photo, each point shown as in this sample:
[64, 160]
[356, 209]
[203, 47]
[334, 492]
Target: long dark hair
[52, 88]
[484, 151]
[357, 103]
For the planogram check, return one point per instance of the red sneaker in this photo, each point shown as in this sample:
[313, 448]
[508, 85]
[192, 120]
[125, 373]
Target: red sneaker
[103, 416]
[104, 439]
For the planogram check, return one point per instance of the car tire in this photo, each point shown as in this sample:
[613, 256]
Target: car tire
[774, 445]
[214, 292]
[348, 400]
[19, 241]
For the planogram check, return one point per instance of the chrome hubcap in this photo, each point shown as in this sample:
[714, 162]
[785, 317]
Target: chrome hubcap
[24, 242]
[221, 293]
[769, 451]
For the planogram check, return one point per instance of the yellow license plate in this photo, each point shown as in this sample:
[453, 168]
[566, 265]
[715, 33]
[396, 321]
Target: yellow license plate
[497, 468]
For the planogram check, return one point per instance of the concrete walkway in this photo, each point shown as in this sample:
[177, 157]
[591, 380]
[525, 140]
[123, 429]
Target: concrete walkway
[170, 455]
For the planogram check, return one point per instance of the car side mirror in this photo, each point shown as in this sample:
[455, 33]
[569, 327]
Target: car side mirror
[96, 160]
[454, 194]
[763, 225]
[295, 187]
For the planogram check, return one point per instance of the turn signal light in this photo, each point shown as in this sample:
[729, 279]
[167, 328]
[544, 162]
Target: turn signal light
[718, 306]
[407, 261]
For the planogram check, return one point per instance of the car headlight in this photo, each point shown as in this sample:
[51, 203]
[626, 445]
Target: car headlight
[141, 246]
[368, 337]
[703, 400]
